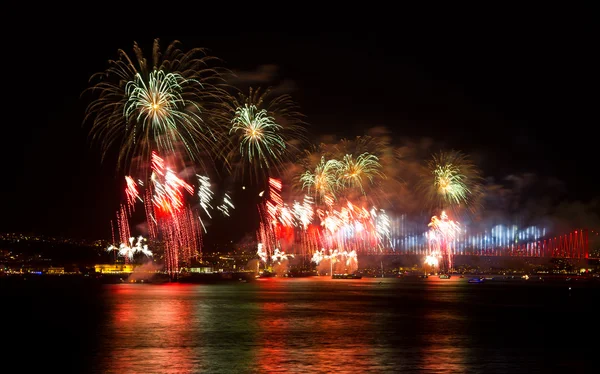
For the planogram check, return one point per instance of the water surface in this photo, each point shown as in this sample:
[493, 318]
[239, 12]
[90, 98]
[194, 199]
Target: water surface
[305, 325]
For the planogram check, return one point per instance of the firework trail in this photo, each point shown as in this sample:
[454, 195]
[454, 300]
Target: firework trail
[262, 254]
[168, 197]
[441, 238]
[279, 220]
[226, 205]
[206, 195]
[181, 234]
[177, 225]
[269, 213]
[123, 224]
[304, 213]
[382, 226]
[131, 192]
[150, 216]
[275, 202]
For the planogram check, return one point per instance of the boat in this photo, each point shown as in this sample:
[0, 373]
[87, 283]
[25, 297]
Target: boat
[444, 276]
[476, 280]
[346, 276]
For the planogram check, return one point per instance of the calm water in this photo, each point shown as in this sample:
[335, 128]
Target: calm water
[302, 325]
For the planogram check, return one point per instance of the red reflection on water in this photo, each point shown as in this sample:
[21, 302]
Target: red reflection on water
[150, 322]
[308, 344]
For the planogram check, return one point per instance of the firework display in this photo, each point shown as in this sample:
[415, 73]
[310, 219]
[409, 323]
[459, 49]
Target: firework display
[306, 229]
[171, 222]
[171, 116]
[336, 214]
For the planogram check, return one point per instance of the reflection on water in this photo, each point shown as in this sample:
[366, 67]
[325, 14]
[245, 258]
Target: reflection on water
[314, 331]
[149, 329]
[312, 325]
[177, 328]
[443, 341]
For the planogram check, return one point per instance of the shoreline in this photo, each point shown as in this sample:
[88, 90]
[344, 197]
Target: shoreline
[249, 277]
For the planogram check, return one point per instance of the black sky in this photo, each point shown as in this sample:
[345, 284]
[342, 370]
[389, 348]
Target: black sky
[516, 93]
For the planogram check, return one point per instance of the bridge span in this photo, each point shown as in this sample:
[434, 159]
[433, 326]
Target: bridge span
[571, 245]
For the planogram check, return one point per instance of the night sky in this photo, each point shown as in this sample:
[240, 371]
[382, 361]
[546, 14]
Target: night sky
[516, 95]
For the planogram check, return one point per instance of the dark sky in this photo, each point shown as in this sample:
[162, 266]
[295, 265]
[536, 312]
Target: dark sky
[518, 94]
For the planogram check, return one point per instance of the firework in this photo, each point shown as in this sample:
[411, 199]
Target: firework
[323, 181]
[280, 256]
[168, 104]
[353, 171]
[432, 261]
[381, 222]
[354, 228]
[336, 224]
[172, 223]
[258, 136]
[285, 112]
[364, 169]
[451, 181]
[128, 249]
[267, 132]
[262, 254]
[347, 259]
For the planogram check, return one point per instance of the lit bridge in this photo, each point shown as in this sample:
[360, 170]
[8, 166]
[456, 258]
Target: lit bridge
[572, 245]
[500, 242]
